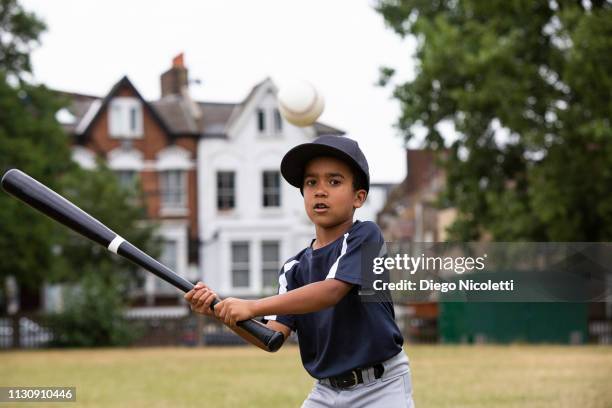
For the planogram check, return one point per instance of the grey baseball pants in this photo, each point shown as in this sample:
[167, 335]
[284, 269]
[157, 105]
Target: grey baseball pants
[392, 390]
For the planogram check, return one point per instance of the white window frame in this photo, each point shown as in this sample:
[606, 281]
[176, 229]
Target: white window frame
[236, 266]
[274, 190]
[226, 191]
[278, 121]
[120, 114]
[261, 119]
[270, 265]
[181, 190]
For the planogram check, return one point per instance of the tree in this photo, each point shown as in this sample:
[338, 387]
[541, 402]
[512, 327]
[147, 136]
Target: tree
[30, 139]
[19, 32]
[93, 309]
[33, 248]
[527, 87]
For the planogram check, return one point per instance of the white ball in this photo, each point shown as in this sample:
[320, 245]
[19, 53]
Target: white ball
[300, 103]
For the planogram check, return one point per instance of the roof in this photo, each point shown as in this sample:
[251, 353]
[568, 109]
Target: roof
[174, 113]
[215, 117]
[87, 109]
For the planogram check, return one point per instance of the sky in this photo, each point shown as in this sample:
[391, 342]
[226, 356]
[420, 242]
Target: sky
[230, 46]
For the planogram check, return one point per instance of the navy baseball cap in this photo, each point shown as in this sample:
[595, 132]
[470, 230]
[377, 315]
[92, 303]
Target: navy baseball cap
[294, 163]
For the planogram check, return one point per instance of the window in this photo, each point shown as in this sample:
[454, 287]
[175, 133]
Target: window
[127, 178]
[169, 257]
[270, 251]
[173, 188]
[261, 120]
[226, 190]
[240, 264]
[271, 189]
[125, 118]
[278, 121]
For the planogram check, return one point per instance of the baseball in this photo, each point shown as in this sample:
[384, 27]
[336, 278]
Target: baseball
[300, 103]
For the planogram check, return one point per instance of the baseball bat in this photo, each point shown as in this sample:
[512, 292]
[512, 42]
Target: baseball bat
[47, 201]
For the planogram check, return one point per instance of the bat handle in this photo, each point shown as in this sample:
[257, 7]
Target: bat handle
[272, 339]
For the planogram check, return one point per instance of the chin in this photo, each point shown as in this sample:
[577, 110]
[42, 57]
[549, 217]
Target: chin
[326, 221]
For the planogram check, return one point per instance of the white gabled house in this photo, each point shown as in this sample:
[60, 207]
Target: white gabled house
[252, 219]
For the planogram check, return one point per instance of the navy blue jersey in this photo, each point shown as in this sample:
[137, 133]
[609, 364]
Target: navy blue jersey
[352, 333]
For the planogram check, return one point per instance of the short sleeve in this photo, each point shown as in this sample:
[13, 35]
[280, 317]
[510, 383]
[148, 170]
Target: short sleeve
[284, 285]
[359, 248]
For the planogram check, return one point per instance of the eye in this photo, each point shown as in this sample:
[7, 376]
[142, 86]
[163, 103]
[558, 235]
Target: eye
[335, 182]
[310, 182]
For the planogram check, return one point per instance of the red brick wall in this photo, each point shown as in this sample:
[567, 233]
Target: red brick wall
[154, 140]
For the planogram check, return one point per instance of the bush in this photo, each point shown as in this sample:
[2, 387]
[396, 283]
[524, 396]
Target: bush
[93, 314]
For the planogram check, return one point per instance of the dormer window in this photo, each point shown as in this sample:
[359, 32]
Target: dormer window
[125, 118]
[278, 121]
[269, 121]
[261, 120]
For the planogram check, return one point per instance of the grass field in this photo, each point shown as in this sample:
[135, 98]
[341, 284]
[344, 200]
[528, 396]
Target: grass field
[443, 376]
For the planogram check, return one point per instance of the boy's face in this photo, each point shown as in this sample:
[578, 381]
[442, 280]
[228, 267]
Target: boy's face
[329, 197]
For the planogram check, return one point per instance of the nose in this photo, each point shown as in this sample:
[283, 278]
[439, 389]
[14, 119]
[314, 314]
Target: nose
[320, 192]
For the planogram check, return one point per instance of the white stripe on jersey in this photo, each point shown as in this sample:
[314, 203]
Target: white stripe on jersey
[282, 283]
[334, 268]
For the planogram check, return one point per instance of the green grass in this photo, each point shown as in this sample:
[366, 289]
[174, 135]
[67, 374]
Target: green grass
[443, 376]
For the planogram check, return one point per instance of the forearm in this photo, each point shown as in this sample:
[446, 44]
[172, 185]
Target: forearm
[310, 298]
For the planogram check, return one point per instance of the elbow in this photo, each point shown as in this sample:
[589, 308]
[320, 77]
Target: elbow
[337, 291]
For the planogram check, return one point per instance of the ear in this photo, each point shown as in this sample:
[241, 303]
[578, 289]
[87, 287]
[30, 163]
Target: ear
[359, 198]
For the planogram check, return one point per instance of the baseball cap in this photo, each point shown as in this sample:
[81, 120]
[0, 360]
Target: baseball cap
[340, 147]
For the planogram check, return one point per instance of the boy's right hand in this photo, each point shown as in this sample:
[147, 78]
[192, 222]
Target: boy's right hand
[200, 298]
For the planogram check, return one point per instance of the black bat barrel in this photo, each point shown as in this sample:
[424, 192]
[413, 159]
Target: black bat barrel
[50, 203]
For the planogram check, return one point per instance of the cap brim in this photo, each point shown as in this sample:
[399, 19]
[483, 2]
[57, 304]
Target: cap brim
[294, 163]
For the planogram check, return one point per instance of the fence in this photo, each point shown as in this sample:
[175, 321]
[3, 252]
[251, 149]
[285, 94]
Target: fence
[600, 332]
[24, 332]
[36, 331]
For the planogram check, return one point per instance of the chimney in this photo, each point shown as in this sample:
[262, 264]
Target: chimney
[422, 168]
[174, 80]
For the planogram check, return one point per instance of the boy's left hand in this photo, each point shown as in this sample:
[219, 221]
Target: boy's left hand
[232, 310]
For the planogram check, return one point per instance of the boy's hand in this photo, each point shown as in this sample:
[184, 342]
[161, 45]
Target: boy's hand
[200, 298]
[232, 310]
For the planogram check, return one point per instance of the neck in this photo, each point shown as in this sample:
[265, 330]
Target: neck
[327, 235]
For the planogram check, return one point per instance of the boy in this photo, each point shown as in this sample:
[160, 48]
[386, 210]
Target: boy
[353, 348]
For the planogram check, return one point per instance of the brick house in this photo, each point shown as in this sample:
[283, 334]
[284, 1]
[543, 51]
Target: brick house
[156, 143]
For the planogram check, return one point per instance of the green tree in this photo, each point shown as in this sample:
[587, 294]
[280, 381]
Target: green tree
[19, 32]
[30, 139]
[527, 86]
[33, 248]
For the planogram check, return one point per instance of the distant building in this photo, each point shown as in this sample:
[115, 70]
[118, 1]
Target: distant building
[411, 212]
[155, 143]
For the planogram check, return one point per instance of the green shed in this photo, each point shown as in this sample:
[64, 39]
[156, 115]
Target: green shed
[487, 322]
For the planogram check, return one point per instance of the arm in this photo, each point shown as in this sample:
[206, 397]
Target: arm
[309, 298]
[200, 298]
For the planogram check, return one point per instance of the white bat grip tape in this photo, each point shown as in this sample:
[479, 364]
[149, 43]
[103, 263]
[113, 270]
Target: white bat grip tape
[114, 244]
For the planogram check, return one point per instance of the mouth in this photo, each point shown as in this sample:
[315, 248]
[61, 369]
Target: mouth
[320, 208]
